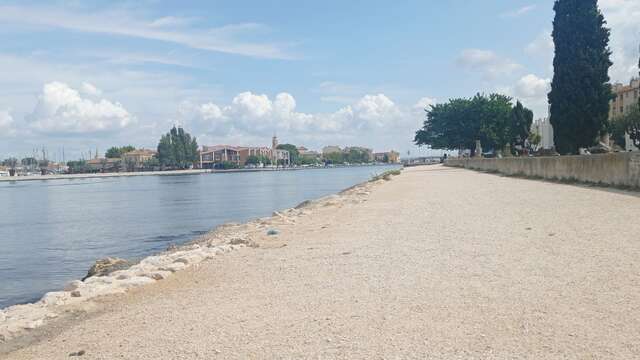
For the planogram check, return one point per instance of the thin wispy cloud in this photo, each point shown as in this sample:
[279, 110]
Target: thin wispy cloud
[518, 12]
[166, 29]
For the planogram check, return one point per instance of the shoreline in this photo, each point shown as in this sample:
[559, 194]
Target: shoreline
[19, 320]
[170, 173]
[411, 268]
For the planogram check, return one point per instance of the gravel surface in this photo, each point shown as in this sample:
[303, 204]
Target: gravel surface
[438, 263]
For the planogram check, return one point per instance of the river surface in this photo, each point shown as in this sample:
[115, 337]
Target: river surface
[52, 231]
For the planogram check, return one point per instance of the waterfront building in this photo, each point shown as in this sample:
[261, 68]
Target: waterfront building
[543, 128]
[212, 155]
[105, 164]
[391, 157]
[138, 157]
[626, 96]
[260, 151]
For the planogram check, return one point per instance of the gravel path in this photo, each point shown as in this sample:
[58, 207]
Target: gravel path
[438, 263]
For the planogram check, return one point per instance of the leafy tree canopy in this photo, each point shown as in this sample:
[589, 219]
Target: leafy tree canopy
[491, 119]
[177, 149]
[116, 152]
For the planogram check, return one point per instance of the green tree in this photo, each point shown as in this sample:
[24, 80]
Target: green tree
[631, 123]
[294, 154]
[458, 123]
[521, 120]
[252, 160]
[116, 152]
[580, 90]
[335, 158]
[177, 149]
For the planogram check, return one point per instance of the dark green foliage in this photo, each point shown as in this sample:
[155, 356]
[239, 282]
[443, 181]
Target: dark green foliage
[257, 160]
[491, 119]
[521, 120]
[630, 122]
[227, 165]
[116, 152]
[177, 149]
[580, 90]
[335, 158]
[79, 167]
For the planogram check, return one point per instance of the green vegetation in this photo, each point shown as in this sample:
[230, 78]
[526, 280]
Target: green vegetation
[116, 152]
[227, 165]
[580, 90]
[491, 119]
[257, 160]
[79, 167]
[628, 123]
[354, 155]
[177, 149]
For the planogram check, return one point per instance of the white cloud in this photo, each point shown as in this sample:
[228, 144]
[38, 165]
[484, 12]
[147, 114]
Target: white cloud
[519, 12]
[90, 89]
[487, 62]
[167, 29]
[621, 16]
[61, 110]
[250, 116]
[532, 91]
[424, 103]
[6, 124]
[532, 87]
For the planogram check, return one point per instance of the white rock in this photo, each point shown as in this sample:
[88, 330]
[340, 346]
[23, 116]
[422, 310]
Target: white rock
[54, 298]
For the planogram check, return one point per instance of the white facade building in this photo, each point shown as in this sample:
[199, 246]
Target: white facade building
[543, 128]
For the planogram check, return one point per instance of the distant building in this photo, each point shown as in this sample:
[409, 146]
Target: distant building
[105, 164]
[626, 97]
[543, 128]
[212, 155]
[138, 157]
[391, 157]
[260, 151]
[331, 149]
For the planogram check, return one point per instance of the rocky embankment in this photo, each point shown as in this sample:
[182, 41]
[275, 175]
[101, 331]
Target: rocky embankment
[115, 276]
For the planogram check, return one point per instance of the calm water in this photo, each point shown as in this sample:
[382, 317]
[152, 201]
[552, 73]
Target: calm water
[52, 231]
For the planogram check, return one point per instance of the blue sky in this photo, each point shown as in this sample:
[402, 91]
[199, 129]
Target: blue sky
[83, 74]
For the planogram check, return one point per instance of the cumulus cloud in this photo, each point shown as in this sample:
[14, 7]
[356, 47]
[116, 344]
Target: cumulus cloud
[621, 16]
[490, 64]
[62, 110]
[6, 124]
[424, 103]
[532, 91]
[251, 116]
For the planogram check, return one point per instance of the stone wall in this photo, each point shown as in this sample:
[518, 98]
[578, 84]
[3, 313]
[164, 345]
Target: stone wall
[617, 169]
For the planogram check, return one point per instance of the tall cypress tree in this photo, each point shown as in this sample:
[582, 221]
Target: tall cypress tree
[580, 90]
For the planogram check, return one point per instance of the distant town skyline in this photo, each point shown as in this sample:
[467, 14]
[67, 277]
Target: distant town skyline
[89, 75]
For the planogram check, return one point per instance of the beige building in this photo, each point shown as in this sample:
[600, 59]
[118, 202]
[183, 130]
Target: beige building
[138, 157]
[391, 157]
[626, 97]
